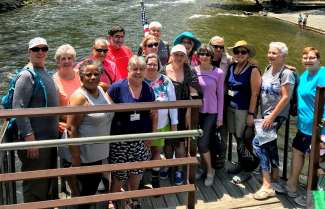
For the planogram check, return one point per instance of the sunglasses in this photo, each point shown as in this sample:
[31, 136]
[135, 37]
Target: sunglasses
[242, 52]
[37, 49]
[101, 50]
[152, 45]
[218, 46]
[204, 54]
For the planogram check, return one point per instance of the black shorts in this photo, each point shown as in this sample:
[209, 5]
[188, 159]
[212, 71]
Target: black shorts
[302, 142]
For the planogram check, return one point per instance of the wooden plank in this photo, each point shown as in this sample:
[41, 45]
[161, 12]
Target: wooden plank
[232, 189]
[101, 197]
[208, 192]
[94, 169]
[199, 196]
[219, 188]
[170, 199]
[35, 112]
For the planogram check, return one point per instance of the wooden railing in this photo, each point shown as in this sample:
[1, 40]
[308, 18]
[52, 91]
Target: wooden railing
[190, 160]
[318, 125]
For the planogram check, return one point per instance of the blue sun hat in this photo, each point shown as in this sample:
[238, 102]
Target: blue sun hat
[178, 39]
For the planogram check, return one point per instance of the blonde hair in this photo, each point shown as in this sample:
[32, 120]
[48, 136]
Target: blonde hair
[136, 61]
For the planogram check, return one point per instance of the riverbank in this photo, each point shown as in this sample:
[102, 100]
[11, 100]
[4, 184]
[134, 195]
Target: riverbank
[315, 22]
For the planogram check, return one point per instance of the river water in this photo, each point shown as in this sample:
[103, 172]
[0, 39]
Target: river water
[79, 22]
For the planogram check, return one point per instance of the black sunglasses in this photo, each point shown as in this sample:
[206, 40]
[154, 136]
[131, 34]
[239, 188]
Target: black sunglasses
[37, 49]
[152, 45]
[204, 54]
[243, 52]
[218, 46]
[101, 50]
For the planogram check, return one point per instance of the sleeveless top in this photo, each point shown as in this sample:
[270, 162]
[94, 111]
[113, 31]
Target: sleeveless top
[239, 87]
[95, 124]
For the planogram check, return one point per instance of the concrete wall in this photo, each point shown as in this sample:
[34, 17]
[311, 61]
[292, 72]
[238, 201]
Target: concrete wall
[6, 5]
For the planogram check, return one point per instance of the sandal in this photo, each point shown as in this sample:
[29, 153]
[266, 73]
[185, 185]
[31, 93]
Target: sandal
[263, 194]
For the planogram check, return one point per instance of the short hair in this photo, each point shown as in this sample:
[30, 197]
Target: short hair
[64, 49]
[146, 39]
[155, 24]
[311, 49]
[136, 61]
[152, 55]
[282, 47]
[116, 29]
[205, 48]
[216, 37]
[88, 62]
[100, 39]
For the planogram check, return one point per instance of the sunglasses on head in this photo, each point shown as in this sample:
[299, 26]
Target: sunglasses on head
[101, 50]
[152, 45]
[204, 54]
[37, 49]
[218, 46]
[243, 52]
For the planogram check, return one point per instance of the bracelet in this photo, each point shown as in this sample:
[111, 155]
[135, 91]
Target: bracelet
[251, 113]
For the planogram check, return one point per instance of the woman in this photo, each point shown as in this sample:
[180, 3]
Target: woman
[221, 58]
[167, 118]
[186, 85]
[276, 89]
[88, 125]
[131, 90]
[149, 44]
[191, 44]
[243, 86]
[313, 76]
[67, 81]
[211, 80]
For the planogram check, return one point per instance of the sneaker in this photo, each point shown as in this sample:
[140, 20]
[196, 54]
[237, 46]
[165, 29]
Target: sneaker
[234, 168]
[179, 179]
[241, 177]
[164, 173]
[199, 173]
[278, 187]
[209, 179]
[301, 200]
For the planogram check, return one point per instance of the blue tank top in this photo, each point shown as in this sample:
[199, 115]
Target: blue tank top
[239, 87]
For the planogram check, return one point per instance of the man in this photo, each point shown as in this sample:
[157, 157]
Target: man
[221, 60]
[117, 51]
[99, 52]
[27, 95]
[163, 48]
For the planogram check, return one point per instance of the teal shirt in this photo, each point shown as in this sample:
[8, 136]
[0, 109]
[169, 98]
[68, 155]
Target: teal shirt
[306, 99]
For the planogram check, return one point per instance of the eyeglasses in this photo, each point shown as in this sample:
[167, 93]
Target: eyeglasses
[218, 46]
[204, 54]
[152, 45]
[242, 52]
[101, 50]
[37, 49]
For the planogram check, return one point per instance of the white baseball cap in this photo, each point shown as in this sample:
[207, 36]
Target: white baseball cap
[36, 41]
[179, 48]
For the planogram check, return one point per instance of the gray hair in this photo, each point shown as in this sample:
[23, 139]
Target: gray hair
[64, 49]
[136, 61]
[101, 40]
[282, 47]
[155, 24]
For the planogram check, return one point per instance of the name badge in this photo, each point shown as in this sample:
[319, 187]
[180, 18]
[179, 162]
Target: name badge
[135, 117]
[231, 93]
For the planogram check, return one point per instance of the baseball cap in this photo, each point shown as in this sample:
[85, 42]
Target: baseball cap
[36, 41]
[179, 48]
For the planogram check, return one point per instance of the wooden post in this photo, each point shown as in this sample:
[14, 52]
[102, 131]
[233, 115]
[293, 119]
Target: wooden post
[314, 155]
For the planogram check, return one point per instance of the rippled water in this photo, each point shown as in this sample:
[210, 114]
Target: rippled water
[79, 22]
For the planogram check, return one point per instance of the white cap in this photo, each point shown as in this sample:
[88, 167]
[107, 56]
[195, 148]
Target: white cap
[178, 48]
[36, 41]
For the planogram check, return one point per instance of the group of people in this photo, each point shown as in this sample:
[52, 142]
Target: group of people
[230, 86]
[302, 21]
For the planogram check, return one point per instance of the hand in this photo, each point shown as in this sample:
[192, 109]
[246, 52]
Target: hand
[32, 153]
[219, 124]
[147, 143]
[267, 122]
[250, 120]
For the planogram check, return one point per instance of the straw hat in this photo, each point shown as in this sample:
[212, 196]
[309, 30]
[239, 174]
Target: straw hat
[178, 39]
[243, 43]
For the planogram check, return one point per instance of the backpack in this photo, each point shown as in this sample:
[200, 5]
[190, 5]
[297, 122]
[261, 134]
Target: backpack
[6, 101]
[293, 110]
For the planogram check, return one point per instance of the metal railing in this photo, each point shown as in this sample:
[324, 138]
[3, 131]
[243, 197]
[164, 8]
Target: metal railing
[189, 161]
[318, 125]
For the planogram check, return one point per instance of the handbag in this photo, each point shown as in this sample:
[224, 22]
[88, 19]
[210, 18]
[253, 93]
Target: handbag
[246, 155]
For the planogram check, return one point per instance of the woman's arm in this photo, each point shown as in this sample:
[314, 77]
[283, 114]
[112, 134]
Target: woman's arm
[73, 122]
[255, 89]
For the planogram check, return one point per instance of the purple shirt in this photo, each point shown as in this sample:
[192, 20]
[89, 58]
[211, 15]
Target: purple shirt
[212, 85]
